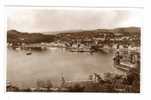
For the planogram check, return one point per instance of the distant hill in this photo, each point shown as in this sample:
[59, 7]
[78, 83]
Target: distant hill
[16, 36]
[128, 29]
[65, 31]
[115, 30]
[96, 32]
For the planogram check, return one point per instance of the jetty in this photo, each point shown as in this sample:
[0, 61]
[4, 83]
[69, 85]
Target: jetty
[126, 60]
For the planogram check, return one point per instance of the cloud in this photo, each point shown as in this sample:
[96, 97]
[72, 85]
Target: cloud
[43, 20]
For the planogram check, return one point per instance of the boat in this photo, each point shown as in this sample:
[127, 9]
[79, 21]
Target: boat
[28, 53]
[100, 49]
[121, 68]
[104, 51]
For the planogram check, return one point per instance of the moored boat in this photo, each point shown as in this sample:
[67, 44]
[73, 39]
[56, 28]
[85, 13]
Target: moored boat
[28, 53]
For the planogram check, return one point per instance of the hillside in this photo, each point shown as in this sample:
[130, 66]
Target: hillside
[16, 36]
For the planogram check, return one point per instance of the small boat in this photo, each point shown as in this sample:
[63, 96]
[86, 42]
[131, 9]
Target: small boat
[122, 67]
[28, 53]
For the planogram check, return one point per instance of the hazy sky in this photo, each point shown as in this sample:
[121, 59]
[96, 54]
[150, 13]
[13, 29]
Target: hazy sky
[47, 20]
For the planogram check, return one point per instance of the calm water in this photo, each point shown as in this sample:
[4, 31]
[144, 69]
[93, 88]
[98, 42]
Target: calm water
[24, 70]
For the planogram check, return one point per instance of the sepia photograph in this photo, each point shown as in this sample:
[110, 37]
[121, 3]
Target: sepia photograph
[73, 49]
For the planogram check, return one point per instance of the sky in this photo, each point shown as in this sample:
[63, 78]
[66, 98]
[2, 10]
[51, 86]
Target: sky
[64, 19]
